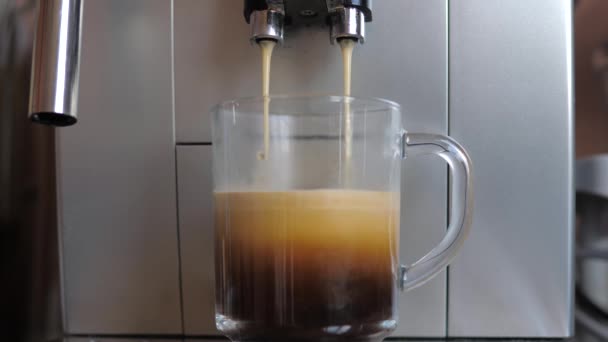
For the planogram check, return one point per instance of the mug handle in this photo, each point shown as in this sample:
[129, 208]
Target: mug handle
[461, 200]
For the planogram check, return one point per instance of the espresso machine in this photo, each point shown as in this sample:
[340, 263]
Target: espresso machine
[135, 81]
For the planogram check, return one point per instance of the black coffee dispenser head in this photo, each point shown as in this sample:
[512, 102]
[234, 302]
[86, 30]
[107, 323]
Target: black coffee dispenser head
[345, 18]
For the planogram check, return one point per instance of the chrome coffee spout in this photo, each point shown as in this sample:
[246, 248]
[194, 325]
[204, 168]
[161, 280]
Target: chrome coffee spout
[347, 23]
[56, 63]
[346, 18]
[267, 24]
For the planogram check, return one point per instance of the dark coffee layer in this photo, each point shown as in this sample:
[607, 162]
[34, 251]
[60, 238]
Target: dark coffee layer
[309, 264]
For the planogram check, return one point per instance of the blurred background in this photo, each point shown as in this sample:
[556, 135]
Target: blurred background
[591, 98]
[591, 77]
[29, 262]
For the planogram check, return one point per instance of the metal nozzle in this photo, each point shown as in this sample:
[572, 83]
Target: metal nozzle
[267, 24]
[347, 22]
[56, 63]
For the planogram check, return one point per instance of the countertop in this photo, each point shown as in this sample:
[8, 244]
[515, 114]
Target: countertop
[582, 335]
[591, 323]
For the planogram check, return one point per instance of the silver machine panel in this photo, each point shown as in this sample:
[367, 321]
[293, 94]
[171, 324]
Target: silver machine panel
[116, 177]
[134, 174]
[410, 68]
[511, 106]
[195, 190]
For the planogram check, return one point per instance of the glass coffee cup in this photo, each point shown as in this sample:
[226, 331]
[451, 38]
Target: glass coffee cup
[307, 208]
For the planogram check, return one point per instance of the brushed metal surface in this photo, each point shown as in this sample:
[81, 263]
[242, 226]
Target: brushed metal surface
[56, 63]
[195, 189]
[404, 59]
[116, 176]
[267, 24]
[347, 22]
[511, 107]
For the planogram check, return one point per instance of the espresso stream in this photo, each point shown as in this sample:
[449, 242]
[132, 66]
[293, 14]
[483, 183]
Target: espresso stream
[304, 265]
[347, 46]
[267, 46]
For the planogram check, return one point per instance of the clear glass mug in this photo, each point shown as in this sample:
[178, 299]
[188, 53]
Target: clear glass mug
[307, 217]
